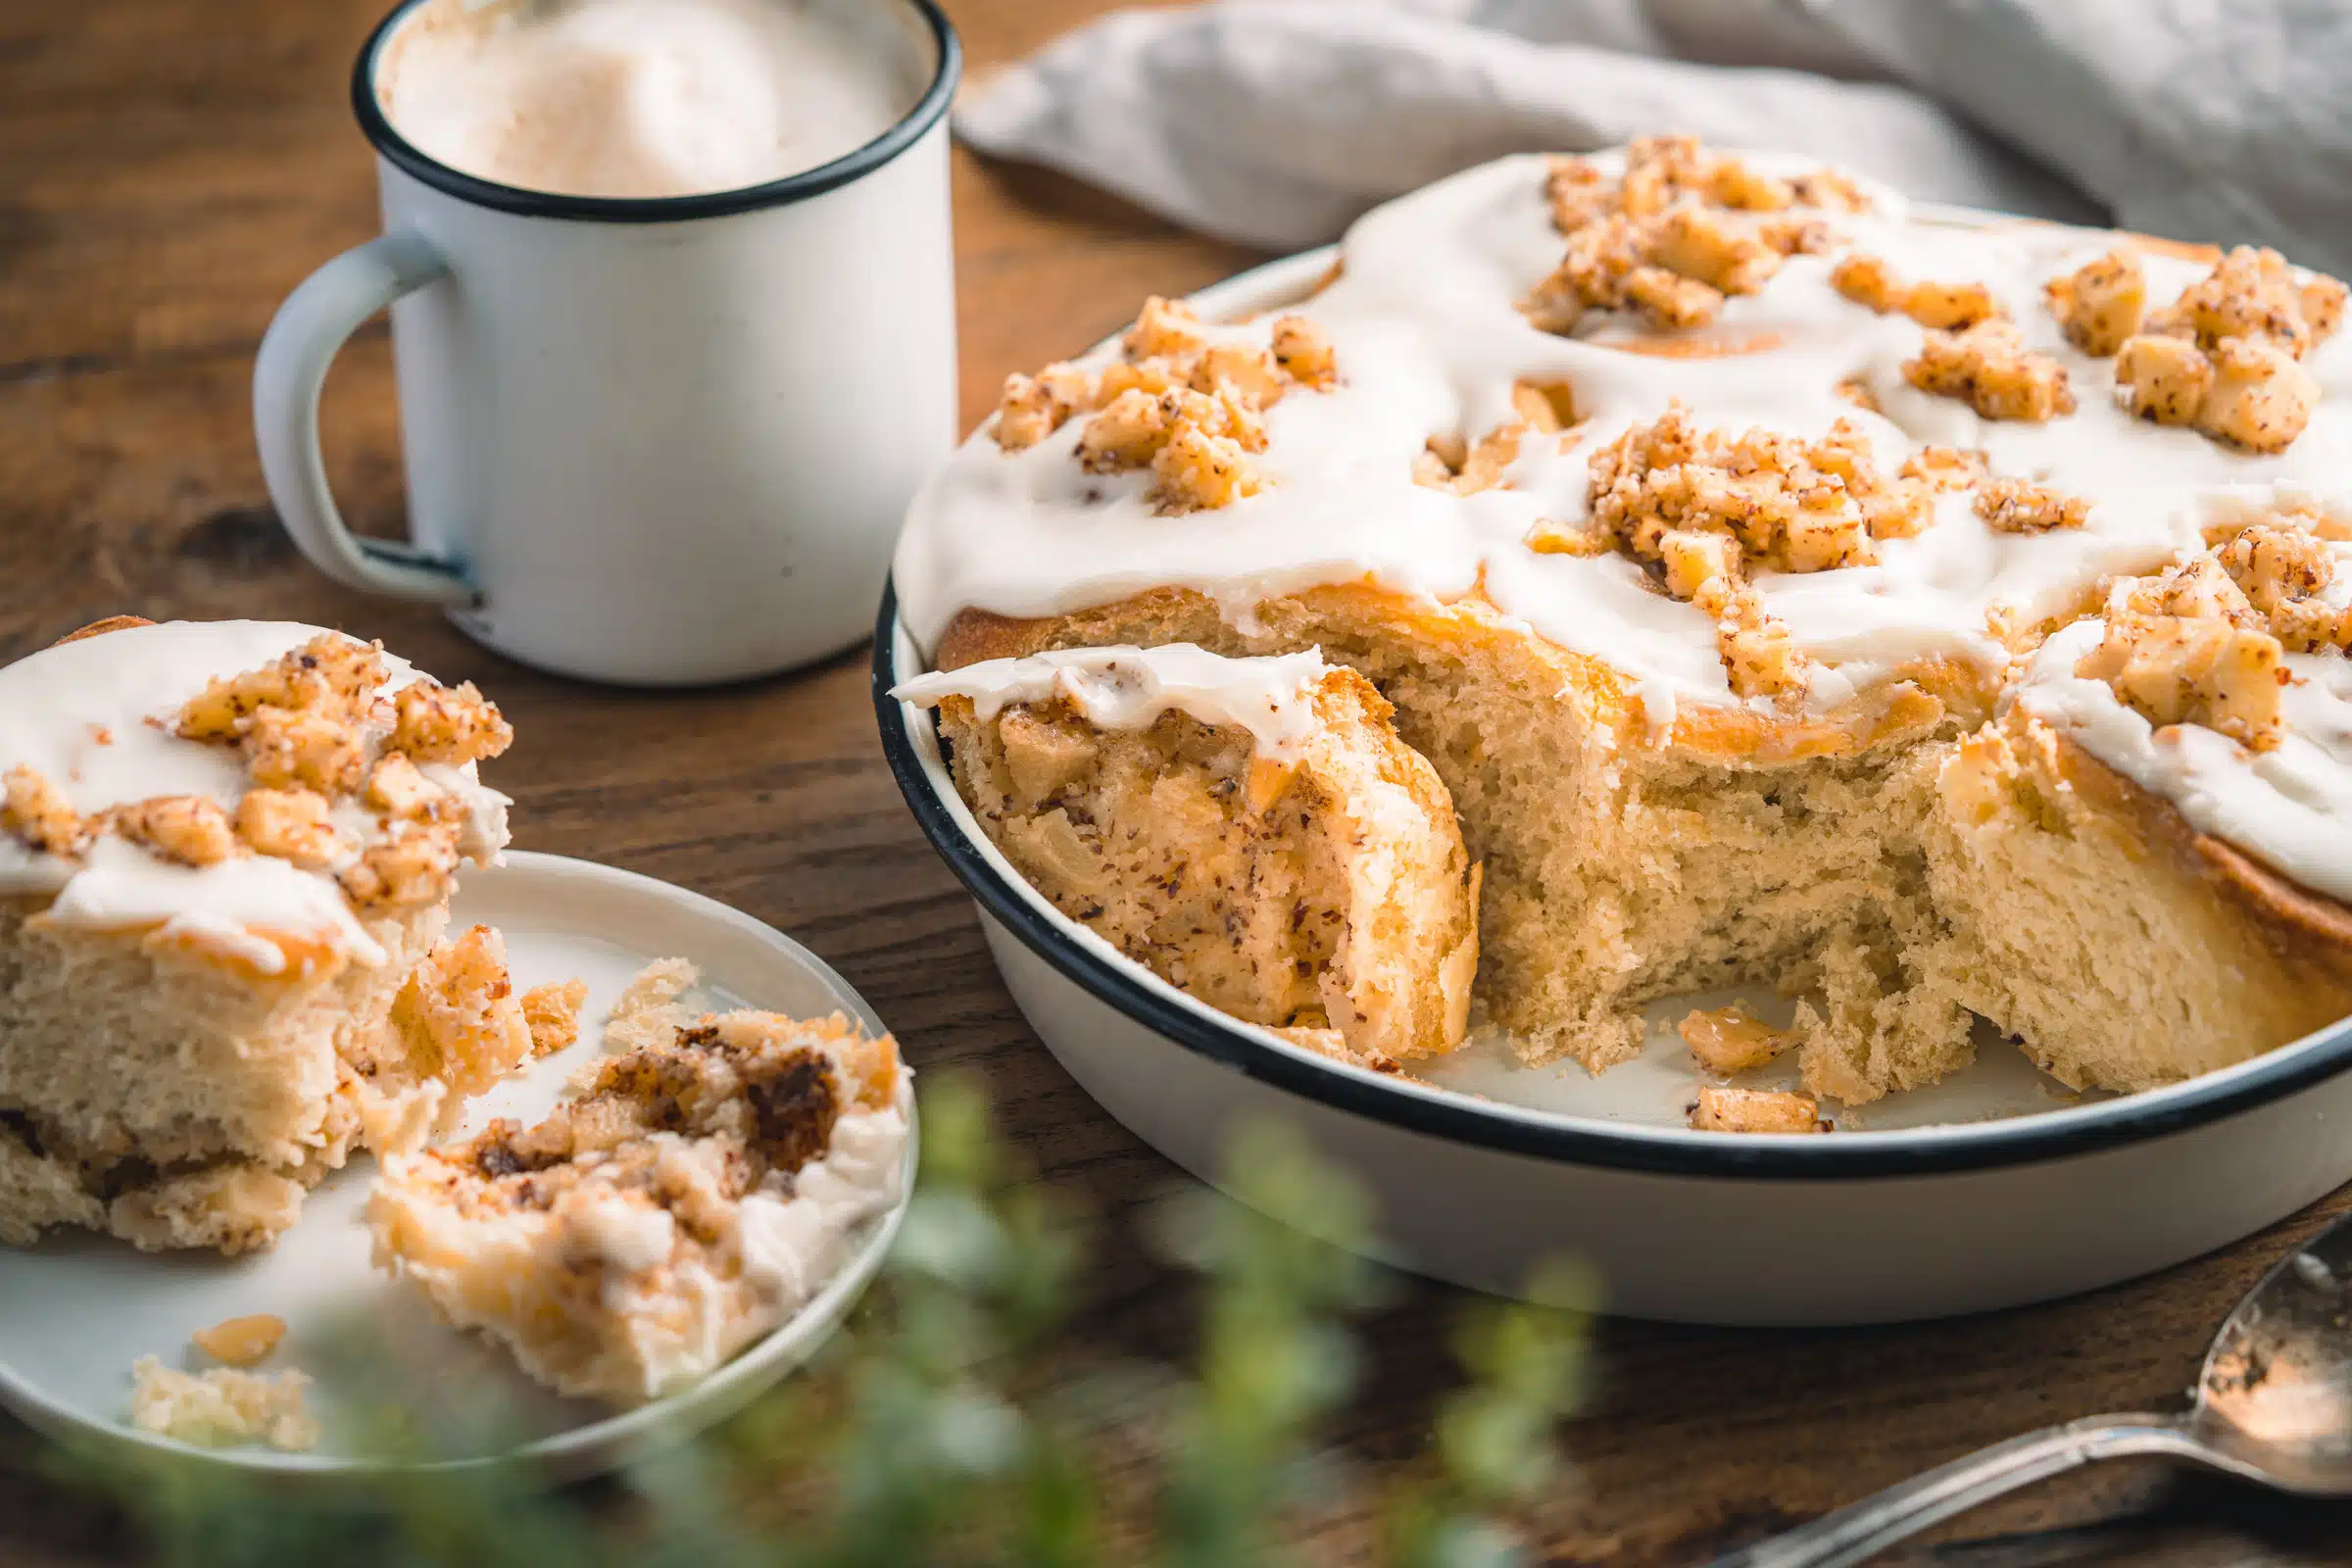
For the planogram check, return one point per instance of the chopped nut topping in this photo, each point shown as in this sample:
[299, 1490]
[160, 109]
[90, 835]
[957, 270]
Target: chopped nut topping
[1304, 351]
[1868, 280]
[2283, 569]
[331, 675]
[2163, 378]
[2261, 399]
[1033, 407]
[1758, 659]
[1988, 366]
[1660, 240]
[38, 815]
[1699, 245]
[294, 825]
[2099, 305]
[552, 1014]
[303, 748]
[437, 723]
[241, 1340]
[2254, 294]
[398, 788]
[2187, 648]
[1776, 502]
[2020, 506]
[190, 829]
[1753, 1111]
[1180, 404]
[1195, 469]
[1941, 468]
[1732, 1039]
[416, 867]
[1164, 329]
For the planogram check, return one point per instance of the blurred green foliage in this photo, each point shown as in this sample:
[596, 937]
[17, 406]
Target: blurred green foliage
[949, 1425]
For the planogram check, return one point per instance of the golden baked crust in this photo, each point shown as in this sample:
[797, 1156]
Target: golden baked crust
[99, 628]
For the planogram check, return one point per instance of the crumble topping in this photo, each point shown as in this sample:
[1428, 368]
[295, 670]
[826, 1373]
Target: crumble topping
[188, 829]
[331, 675]
[241, 1342]
[296, 825]
[1188, 407]
[301, 724]
[1868, 280]
[415, 867]
[2099, 305]
[452, 725]
[1721, 1109]
[2253, 293]
[552, 1013]
[39, 817]
[2020, 506]
[2284, 569]
[1672, 237]
[2186, 646]
[2222, 358]
[1988, 366]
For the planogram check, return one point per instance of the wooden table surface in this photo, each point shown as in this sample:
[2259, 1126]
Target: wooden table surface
[168, 170]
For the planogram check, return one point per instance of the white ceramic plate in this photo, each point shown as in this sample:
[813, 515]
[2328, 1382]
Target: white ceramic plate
[76, 1310]
[1991, 1189]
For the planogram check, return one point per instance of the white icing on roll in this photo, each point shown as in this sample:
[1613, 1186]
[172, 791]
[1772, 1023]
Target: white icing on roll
[1129, 688]
[1427, 340]
[94, 718]
[2290, 807]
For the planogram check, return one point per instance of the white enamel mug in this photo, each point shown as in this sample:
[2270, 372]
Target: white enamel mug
[649, 441]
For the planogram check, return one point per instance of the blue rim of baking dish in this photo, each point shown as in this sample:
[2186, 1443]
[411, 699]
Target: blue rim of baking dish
[853, 165]
[1434, 1112]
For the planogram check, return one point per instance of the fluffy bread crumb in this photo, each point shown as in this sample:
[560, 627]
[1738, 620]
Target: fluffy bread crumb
[552, 1012]
[222, 1405]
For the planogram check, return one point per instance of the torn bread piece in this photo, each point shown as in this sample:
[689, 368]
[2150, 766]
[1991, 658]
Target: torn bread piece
[227, 851]
[1253, 830]
[698, 1192]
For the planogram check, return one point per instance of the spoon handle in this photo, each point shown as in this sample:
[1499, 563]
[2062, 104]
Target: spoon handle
[1856, 1532]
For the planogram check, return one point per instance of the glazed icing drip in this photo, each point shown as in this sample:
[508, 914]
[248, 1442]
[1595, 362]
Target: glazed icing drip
[1128, 688]
[2290, 807]
[1428, 340]
[94, 717]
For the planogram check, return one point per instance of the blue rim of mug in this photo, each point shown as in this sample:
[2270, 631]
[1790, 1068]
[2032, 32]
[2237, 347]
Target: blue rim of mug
[851, 166]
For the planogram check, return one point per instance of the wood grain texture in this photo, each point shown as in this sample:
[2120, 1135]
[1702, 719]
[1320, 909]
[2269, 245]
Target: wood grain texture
[168, 172]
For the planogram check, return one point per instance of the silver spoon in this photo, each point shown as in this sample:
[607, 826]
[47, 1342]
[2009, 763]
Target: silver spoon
[2273, 1405]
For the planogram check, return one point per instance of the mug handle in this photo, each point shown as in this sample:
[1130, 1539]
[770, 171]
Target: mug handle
[287, 374]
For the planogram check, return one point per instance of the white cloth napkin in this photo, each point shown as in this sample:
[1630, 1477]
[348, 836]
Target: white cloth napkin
[1274, 122]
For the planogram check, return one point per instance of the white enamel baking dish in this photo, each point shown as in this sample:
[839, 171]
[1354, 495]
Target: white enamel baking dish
[1881, 1224]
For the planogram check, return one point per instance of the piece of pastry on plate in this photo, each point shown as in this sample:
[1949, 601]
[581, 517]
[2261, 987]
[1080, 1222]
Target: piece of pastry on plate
[703, 1186]
[227, 851]
[1251, 829]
